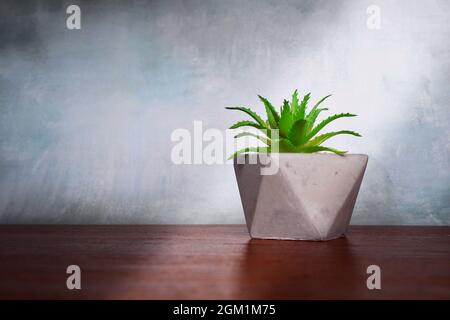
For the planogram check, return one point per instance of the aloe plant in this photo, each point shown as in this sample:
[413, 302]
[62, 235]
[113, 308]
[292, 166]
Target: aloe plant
[297, 128]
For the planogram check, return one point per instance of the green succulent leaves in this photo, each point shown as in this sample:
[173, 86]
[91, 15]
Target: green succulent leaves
[297, 133]
[251, 113]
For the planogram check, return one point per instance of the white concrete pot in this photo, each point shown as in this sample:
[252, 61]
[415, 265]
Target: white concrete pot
[310, 197]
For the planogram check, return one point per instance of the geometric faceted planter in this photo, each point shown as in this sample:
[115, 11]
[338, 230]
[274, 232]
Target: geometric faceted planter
[309, 197]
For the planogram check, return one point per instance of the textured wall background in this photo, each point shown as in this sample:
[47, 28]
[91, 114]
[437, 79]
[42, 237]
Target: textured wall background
[86, 115]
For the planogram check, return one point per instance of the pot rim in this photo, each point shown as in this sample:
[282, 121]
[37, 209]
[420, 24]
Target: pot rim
[305, 154]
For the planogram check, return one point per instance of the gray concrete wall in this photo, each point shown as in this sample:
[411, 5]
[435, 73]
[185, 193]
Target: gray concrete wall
[86, 115]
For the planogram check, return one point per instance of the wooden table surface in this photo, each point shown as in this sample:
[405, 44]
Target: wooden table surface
[220, 262]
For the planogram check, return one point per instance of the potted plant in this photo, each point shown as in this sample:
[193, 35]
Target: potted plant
[312, 194]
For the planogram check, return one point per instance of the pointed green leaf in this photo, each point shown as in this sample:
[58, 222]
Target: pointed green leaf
[297, 132]
[271, 123]
[312, 116]
[294, 102]
[311, 120]
[316, 106]
[250, 134]
[323, 137]
[272, 115]
[251, 149]
[300, 113]
[251, 113]
[246, 124]
[321, 100]
[286, 120]
[322, 124]
[314, 113]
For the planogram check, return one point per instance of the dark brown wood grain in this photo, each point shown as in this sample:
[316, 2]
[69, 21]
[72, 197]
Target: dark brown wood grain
[221, 262]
